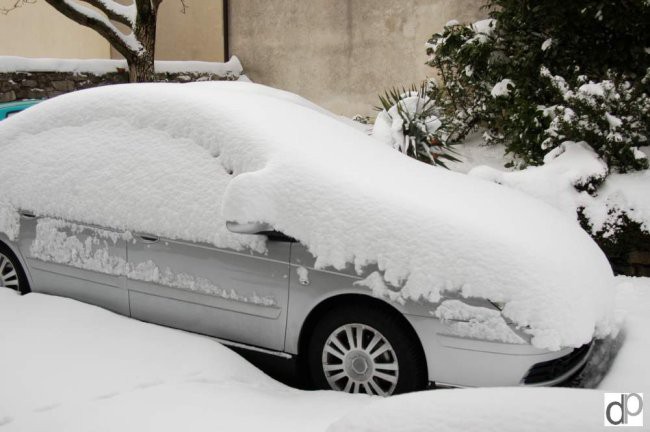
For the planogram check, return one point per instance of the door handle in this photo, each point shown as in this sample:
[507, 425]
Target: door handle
[148, 238]
[27, 215]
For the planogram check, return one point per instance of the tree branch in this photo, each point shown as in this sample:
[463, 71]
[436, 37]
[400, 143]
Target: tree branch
[16, 4]
[112, 14]
[90, 18]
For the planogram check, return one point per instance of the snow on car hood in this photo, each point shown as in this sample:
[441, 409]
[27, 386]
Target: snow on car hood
[179, 160]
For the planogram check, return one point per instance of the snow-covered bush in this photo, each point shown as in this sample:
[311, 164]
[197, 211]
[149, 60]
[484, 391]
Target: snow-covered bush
[409, 122]
[539, 73]
[613, 115]
[613, 208]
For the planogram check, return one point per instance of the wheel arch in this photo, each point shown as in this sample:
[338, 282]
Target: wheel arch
[13, 248]
[331, 303]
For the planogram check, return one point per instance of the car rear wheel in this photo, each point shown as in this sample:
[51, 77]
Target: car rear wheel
[365, 350]
[12, 275]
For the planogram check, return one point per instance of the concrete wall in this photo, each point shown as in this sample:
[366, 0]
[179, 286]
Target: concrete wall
[38, 30]
[340, 53]
[196, 35]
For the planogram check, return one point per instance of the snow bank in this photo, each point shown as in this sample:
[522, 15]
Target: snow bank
[180, 160]
[475, 152]
[479, 410]
[68, 366]
[574, 165]
[10, 64]
[630, 372]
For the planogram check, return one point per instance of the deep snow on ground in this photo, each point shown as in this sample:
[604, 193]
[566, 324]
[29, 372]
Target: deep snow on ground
[67, 366]
[481, 410]
[630, 371]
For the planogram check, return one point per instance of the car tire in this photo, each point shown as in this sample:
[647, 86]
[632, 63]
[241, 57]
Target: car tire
[12, 275]
[389, 359]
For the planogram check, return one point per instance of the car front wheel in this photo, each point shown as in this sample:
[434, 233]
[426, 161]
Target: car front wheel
[365, 350]
[11, 273]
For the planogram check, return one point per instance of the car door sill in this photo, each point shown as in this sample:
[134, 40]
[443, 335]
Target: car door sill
[252, 348]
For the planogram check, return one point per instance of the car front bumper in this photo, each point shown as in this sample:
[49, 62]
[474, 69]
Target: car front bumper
[463, 362]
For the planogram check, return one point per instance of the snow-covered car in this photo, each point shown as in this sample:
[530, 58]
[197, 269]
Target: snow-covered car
[255, 217]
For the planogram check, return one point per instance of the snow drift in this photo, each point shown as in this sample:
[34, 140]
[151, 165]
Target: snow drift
[180, 160]
[478, 410]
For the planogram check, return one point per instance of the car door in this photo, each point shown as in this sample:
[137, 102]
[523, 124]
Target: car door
[75, 260]
[234, 295]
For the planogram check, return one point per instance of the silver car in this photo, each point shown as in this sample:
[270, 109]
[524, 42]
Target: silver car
[277, 302]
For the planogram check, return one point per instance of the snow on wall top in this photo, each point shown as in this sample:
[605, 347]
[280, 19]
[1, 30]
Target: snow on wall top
[179, 160]
[10, 64]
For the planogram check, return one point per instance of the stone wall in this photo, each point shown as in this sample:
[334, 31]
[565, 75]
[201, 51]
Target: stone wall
[42, 85]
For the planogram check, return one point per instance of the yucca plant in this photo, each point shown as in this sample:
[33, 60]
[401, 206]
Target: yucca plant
[416, 129]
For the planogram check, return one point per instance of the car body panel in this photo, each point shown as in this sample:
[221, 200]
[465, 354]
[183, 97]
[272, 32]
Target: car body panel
[222, 293]
[286, 274]
[465, 362]
[63, 267]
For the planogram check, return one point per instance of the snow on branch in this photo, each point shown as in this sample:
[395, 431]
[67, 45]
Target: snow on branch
[125, 14]
[126, 44]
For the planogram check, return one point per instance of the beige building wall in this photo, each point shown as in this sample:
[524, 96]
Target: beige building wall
[340, 53]
[44, 32]
[38, 30]
[196, 35]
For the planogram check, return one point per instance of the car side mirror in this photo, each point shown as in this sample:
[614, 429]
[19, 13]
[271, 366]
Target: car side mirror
[261, 228]
[248, 228]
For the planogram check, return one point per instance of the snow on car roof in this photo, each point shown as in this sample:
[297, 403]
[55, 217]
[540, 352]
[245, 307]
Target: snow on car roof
[179, 160]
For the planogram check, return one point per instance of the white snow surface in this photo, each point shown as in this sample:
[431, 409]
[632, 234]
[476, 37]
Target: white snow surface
[630, 372]
[564, 167]
[70, 367]
[158, 158]
[128, 11]
[475, 322]
[9, 221]
[485, 26]
[475, 152]
[553, 182]
[480, 410]
[9, 64]
[502, 88]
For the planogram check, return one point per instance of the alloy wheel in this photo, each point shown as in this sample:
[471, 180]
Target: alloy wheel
[8, 274]
[357, 358]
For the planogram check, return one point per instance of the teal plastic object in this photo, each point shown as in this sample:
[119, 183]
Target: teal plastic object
[11, 108]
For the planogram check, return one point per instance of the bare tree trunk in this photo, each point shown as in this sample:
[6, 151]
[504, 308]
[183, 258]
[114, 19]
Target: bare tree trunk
[141, 66]
[141, 70]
